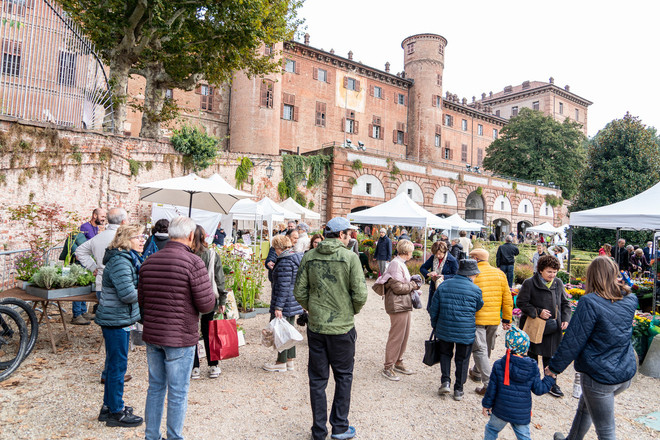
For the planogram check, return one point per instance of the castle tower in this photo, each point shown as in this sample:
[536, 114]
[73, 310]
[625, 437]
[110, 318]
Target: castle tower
[254, 116]
[424, 62]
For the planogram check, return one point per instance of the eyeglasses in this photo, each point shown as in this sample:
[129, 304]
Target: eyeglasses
[140, 237]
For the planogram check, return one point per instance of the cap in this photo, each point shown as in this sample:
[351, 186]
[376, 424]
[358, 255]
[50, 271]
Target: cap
[468, 268]
[303, 226]
[339, 224]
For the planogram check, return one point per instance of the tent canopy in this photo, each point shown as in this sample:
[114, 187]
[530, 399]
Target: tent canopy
[401, 210]
[543, 228]
[457, 222]
[636, 213]
[206, 219]
[271, 208]
[294, 206]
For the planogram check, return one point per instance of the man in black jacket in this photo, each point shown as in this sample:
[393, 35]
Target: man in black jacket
[506, 257]
[622, 255]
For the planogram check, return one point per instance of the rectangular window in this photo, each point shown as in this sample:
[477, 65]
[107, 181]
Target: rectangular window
[351, 84]
[206, 98]
[445, 198]
[436, 101]
[439, 80]
[320, 114]
[410, 48]
[502, 205]
[525, 208]
[449, 120]
[266, 93]
[480, 156]
[376, 132]
[289, 109]
[349, 124]
[464, 124]
[546, 210]
[399, 135]
[447, 153]
[437, 140]
[494, 133]
[480, 129]
[290, 66]
[401, 99]
[323, 75]
[11, 57]
[376, 129]
[378, 92]
[535, 105]
[67, 69]
[577, 114]
[288, 112]
[410, 192]
[368, 188]
[561, 108]
[268, 49]
[464, 153]
[16, 7]
[497, 112]
[514, 111]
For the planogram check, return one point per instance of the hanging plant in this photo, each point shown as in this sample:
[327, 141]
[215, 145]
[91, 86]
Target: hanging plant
[295, 167]
[243, 171]
[479, 190]
[352, 180]
[514, 186]
[357, 165]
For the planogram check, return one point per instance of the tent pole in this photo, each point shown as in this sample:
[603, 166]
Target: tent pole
[190, 206]
[570, 248]
[616, 245]
[426, 233]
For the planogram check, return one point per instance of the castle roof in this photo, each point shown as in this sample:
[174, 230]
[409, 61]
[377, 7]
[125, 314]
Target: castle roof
[533, 88]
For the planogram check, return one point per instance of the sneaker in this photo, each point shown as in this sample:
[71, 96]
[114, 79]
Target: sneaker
[458, 395]
[214, 372]
[279, 368]
[444, 389]
[389, 373]
[400, 368]
[558, 436]
[80, 320]
[474, 376]
[195, 373]
[290, 365]
[348, 434]
[123, 419]
[481, 390]
[104, 415]
[556, 391]
[88, 316]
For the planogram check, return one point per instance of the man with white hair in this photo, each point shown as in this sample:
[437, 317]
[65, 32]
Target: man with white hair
[303, 239]
[173, 289]
[90, 255]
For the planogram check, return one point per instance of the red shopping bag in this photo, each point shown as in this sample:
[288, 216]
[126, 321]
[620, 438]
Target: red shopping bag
[223, 339]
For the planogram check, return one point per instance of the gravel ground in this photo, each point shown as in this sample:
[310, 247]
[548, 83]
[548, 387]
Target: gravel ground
[58, 396]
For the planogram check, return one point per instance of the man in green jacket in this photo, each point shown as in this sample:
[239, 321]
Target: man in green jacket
[330, 285]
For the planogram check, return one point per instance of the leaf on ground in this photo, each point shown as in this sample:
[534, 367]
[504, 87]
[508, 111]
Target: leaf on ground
[13, 383]
[538, 426]
[285, 408]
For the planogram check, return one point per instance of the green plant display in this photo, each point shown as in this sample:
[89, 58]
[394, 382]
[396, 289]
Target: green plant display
[553, 200]
[53, 277]
[199, 150]
[356, 165]
[295, 167]
[243, 171]
[27, 265]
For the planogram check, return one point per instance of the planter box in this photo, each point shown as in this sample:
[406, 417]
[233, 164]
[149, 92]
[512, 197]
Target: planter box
[57, 293]
[247, 315]
[262, 310]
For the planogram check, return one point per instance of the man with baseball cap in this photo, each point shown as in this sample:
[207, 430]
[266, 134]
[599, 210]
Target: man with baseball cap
[498, 306]
[330, 285]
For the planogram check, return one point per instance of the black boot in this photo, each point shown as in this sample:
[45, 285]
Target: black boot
[124, 419]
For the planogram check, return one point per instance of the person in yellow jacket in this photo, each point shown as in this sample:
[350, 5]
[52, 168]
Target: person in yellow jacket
[498, 306]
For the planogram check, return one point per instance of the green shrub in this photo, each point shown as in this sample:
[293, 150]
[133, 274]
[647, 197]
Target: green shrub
[563, 276]
[417, 254]
[522, 271]
[579, 270]
[198, 148]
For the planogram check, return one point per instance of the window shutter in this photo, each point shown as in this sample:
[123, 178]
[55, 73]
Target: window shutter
[394, 136]
[371, 130]
[451, 155]
[434, 100]
[405, 138]
[345, 82]
[357, 85]
[380, 134]
[356, 126]
[328, 76]
[295, 114]
[343, 124]
[264, 95]
[296, 67]
[371, 90]
[315, 73]
[438, 129]
[405, 100]
[209, 107]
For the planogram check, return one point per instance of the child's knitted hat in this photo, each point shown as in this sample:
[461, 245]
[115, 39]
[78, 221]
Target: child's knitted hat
[517, 340]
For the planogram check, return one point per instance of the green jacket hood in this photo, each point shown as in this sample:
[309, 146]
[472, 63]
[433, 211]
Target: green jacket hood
[329, 246]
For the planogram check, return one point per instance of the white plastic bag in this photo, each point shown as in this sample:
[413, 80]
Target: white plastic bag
[285, 334]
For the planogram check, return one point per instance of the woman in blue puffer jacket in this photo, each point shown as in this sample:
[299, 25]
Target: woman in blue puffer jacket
[118, 309]
[599, 340]
[282, 302]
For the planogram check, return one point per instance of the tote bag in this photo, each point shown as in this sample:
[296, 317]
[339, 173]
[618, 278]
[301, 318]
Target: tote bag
[431, 350]
[534, 327]
[223, 339]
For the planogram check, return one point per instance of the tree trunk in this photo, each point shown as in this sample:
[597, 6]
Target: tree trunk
[154, 98]
[119, 87]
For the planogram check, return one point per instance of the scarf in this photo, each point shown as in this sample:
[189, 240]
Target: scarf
[137, 260]
[438, 264]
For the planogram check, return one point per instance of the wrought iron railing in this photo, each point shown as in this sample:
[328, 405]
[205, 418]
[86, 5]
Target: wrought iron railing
[49, 72]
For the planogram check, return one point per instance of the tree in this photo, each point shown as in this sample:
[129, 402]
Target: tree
[623, 160]
[534, 146]
[176, 43]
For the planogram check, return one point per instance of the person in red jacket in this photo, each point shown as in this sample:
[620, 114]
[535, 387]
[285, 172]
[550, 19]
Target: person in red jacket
[173, 289]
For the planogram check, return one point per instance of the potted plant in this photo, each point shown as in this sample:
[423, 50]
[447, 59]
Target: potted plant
[50, 282]
[27, 265]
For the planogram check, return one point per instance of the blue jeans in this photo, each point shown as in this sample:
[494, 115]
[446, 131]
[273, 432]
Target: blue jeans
[495, 425]
[116, 349]
[508, 271]
[104, 373]
[597, 406]
[78, 308]
[169, 371]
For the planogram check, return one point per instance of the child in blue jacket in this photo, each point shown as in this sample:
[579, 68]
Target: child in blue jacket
[508, 398]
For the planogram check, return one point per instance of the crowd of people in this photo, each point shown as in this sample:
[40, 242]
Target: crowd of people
[173, 284]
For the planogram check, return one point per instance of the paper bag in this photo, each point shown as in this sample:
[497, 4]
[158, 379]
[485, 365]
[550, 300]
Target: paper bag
[534, 327]
[223, 339]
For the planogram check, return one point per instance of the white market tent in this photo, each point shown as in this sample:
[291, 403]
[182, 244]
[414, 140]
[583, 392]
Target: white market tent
[544, 228]
[294, 206]
[401, 210]
[264, 210]
[459, 223]
[206, 219]
[272, 208]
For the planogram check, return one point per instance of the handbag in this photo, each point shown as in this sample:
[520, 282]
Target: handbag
[416, 299]
[223, 339]
[534, 328]
[431, 350]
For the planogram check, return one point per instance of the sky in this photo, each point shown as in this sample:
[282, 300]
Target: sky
[607, 51]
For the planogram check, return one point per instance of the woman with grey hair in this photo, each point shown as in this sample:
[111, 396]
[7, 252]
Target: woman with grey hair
[303, 239]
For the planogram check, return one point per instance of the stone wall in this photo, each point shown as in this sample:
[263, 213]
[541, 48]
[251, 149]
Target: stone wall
[82, 170]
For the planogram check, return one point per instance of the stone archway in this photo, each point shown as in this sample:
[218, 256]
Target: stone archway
[474, 208]
[522, 226]
[501, 227]
[360, 208]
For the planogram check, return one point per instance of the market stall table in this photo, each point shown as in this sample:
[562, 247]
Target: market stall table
[22, 294]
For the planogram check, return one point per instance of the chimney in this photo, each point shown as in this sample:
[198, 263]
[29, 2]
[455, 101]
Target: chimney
[474, 98]
[567, 88]
[508, 89]
[332, 51]
[448, 95]
[491, 94]
[306, 39]
[552, 80]
[483, 96]
[350, 55]
[464, 101]
[525, 85]
[387, 67]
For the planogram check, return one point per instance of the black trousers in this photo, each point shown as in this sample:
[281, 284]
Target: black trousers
[338, 352]
[204, 324]
[462, 362]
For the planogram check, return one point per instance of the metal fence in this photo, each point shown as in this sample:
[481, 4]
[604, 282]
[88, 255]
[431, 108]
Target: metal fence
[8, 261]
[50, 72]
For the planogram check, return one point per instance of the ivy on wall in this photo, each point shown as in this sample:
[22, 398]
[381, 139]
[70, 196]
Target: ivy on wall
[295, 167]
[243, 171]
[553, 200]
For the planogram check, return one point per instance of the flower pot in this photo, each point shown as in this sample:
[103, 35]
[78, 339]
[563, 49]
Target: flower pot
[247, 315]
[58, 293]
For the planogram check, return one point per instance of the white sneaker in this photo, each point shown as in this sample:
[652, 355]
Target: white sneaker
[195, 373]
[214, 372]
[280, 368]
[290, 366]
